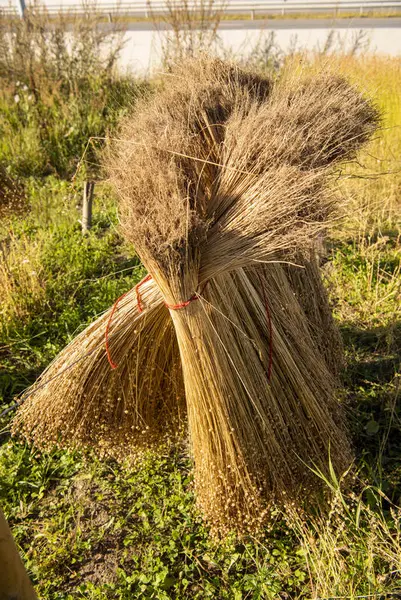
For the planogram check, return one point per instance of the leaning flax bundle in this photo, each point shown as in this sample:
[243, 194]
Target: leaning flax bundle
[224, 182]
[80, 400]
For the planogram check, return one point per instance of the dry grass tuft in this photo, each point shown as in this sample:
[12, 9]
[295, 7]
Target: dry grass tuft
[21, 281]
[351, 532]
[12, 195]
[224, 179]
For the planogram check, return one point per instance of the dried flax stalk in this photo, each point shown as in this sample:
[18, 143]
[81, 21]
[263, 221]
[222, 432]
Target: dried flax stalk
[224, 185]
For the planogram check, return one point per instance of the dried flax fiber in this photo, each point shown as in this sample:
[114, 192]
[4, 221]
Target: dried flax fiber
[225, 183]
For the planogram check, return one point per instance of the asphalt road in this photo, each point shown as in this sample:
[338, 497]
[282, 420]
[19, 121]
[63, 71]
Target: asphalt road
[276, 24]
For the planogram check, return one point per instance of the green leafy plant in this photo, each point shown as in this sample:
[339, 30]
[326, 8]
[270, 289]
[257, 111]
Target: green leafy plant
[60, 87]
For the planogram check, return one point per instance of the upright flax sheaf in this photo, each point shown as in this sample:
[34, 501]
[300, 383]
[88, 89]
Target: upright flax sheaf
[223, 181]
[205, 198]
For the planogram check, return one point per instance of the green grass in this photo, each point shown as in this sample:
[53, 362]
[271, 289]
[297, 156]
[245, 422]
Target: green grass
[97, 529]
[56, 280]
[49, 135]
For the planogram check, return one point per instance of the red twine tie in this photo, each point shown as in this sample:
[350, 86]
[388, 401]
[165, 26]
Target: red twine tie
[182, 304]
[195, 296]
[138, 296]
[148, 277]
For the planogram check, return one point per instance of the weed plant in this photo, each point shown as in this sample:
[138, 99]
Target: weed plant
[187, 28]
[59, 88]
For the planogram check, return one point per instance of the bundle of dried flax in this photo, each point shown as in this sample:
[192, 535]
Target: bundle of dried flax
[224, 185]
[121, 412]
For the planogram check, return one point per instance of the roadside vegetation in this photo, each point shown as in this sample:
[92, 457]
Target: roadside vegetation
[340, 14]
[97, 529]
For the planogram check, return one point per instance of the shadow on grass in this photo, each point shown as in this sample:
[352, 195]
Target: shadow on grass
[373, 355]
[373, 391]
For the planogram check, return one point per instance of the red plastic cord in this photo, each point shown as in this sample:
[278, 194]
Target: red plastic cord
[138, 296]
[182, 304]
[195, 296]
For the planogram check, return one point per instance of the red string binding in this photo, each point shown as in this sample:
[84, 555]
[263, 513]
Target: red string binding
[112, 364]
[270, 325]
[106, 336]
[182, 304]
[195, 296]
[138, 296]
